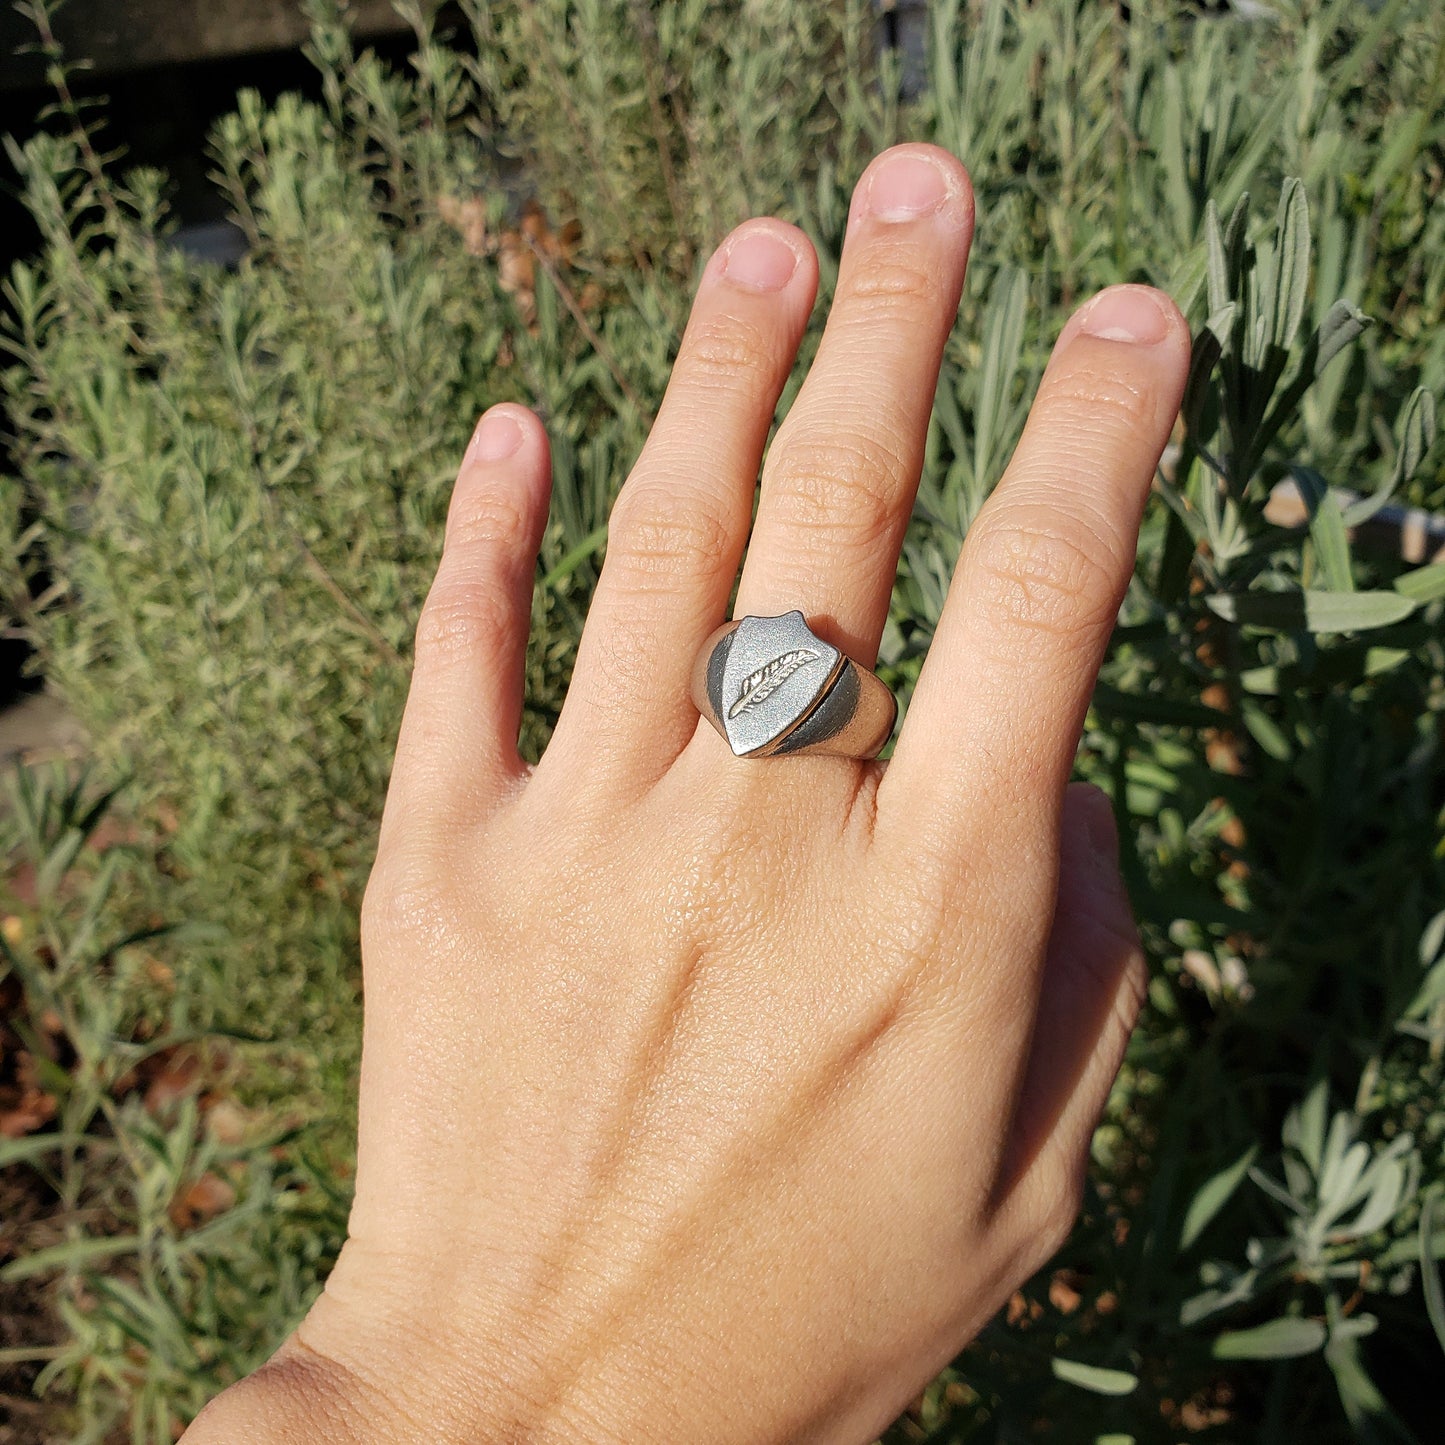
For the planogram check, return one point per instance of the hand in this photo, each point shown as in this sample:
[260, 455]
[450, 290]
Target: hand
[715, 1100]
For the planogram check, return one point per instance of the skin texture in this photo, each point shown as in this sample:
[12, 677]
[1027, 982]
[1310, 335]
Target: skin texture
[721, 1101]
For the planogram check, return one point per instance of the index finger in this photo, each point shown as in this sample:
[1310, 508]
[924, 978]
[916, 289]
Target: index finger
[1000, 703]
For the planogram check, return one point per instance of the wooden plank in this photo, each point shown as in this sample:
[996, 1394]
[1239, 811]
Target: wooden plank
[121, 35]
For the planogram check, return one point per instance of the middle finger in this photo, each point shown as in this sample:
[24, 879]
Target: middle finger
[840, 478]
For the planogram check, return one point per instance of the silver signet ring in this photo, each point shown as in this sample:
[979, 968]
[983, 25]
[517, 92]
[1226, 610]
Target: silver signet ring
[770, 686]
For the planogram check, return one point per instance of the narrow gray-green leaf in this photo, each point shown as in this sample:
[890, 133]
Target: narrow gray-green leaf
[1353, 1327]
[1236, 237]
[1281, 1339]
[70, 1255]
[1343, 323]
[1389, 1187]
[1430, 993]
[1417, 433]
[1212, 1301]
[1424, 584]
[1311, 611]
[1208, 348]
[573, 559]
[1362, 1401]
[37, 1146]
[1213, 1195]
[1265, 731]
[1003, 328]
[1174, 172]
[1430, 1271]
[1432, 940]
[1095, 1377]
[1385, 659]
[1332, 545]
[1292, 263]
[1304, 1125]
[1217, 270]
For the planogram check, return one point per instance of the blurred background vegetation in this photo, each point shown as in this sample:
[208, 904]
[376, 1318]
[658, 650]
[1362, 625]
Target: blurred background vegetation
[224, 502]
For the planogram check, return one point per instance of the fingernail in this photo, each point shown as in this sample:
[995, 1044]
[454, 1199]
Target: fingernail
[760, 261]
[904, 187]
[497, 436]
[1126, 313]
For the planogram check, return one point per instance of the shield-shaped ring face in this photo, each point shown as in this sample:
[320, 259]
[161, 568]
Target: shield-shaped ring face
[774, 673]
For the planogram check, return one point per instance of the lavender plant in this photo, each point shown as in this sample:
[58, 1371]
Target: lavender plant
[226, 502]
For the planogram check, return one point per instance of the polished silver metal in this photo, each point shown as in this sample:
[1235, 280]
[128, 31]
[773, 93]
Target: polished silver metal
[771, 685]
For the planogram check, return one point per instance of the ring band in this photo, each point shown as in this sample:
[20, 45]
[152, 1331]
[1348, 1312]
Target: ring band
[770, 686]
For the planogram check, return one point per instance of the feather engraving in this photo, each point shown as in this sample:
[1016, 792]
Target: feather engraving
[762, 684]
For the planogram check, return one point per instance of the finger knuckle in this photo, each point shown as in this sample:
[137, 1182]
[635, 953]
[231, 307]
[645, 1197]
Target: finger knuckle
[463, 616]
[1050, 574]
[845, 488]
[401, 899]
[727, 354]
[490, 519]
[893, 280]
[375, 914]
[659, 536]
[1094, 399]
[1052, 1209]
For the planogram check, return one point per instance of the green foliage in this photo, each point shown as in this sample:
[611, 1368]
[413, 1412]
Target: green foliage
[176, 1212]
[662, 125]
[237, 483]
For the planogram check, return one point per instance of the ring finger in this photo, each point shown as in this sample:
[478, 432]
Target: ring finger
[840, 478]
[678, 526]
